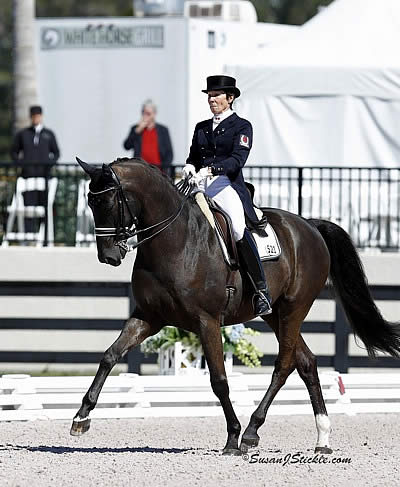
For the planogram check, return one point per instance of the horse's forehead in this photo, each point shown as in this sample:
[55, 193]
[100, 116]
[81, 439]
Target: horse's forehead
[98, 182]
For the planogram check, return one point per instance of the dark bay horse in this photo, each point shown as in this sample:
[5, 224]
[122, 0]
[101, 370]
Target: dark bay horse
[179, 278]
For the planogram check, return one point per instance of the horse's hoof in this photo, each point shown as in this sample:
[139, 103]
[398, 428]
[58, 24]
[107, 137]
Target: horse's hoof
[80, 426]
[325, 450]
[231, 452]
[249, 442]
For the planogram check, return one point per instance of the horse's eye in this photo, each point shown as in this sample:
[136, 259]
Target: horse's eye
[100, 202]
[104, 203]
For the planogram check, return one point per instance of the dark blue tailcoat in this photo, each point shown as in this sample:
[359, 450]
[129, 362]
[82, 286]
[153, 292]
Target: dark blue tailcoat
[226, 150]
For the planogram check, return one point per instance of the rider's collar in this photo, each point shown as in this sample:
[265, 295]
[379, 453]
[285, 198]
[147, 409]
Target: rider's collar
[219, 117]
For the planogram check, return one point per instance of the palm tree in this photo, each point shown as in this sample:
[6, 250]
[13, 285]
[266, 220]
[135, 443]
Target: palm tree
[25, 88]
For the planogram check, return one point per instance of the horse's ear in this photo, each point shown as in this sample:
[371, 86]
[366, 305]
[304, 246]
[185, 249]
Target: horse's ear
[91, 170]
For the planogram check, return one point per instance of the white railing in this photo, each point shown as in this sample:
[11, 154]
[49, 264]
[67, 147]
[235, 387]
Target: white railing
[132, 396]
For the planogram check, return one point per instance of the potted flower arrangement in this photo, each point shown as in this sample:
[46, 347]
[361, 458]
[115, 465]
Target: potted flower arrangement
[180, 351]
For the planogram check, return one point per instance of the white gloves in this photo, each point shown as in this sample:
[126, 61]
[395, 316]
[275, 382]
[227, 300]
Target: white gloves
[205, 172]
[200, 176]
[196, 177]
[188, 170]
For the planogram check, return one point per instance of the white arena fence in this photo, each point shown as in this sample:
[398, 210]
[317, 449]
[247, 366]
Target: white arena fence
[25, 398]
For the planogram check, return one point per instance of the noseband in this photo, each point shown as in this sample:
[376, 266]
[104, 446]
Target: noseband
[122, 232]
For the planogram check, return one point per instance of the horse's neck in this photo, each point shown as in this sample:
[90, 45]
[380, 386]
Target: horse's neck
[187, 229]
[158, 202]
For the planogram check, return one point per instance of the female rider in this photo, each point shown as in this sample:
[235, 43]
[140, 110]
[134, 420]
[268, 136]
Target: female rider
[219, 150]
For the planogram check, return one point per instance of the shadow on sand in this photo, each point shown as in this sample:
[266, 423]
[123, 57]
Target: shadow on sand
[59, 450]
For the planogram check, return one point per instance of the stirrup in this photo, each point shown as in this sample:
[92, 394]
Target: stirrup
[261, 303]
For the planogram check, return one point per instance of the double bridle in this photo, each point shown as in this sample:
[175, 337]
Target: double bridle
[122, 232]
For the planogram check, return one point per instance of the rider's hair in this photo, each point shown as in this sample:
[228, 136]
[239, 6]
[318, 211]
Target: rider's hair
[230, 93]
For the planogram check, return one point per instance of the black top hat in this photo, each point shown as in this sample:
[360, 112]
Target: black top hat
[35, 110]
[222, 82]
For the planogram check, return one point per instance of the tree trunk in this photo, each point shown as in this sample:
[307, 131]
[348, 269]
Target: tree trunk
[24, 62]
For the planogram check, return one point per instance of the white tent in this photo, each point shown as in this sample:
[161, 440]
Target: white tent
[330, 96]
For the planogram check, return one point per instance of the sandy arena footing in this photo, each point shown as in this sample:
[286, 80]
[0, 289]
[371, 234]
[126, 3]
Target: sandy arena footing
[167, 452]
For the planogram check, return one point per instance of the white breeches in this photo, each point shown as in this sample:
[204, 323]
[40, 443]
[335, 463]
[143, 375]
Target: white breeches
[220, 190]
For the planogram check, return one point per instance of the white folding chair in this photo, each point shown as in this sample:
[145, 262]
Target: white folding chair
[18, 211]
[84, 220]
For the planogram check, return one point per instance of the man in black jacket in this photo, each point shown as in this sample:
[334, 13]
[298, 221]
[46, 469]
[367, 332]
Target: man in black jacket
[36, 145]
[150, 140]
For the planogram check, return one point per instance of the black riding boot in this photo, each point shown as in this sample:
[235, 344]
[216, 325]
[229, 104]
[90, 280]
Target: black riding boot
[250, 260]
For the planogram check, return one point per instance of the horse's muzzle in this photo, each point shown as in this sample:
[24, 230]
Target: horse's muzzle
[112, 261]
[112, 256]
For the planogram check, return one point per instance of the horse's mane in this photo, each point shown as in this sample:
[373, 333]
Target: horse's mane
[151, 167]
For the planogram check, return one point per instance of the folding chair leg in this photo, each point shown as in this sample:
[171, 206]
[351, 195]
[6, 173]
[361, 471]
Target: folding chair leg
[9, 229]
[21, 222]
[40, 240]
[50, 228]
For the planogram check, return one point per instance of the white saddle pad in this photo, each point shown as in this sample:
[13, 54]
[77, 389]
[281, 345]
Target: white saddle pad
[268, 247]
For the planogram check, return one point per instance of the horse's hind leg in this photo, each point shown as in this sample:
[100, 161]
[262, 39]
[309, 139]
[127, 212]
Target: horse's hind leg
[133, 333]
[211, 340]
[307, 367]
[287, 330]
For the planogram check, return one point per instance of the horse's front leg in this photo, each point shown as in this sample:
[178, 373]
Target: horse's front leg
[133, 334]
[211, 340]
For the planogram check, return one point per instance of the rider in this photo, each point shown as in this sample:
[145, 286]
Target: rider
[219, 150]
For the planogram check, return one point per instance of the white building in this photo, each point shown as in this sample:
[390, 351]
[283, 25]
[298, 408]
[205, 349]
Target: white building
[94, 74]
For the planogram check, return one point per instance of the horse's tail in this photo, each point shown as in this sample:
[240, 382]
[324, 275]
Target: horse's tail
[351, 286]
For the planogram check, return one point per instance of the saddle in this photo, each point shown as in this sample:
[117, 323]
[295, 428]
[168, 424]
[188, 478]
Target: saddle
[222, 224]
[263, 234]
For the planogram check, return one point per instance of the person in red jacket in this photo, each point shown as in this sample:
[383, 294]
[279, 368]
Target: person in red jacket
[150, 140]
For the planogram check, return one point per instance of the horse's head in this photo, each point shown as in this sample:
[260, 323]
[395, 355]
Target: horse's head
[111, 212]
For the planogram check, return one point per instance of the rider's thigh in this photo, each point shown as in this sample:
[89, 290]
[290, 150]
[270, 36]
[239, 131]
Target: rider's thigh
[215, 185]
[229, 201]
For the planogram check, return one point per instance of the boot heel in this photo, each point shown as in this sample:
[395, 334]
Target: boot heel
[262, 304]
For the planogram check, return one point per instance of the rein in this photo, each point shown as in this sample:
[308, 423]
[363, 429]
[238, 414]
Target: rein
[123, 233]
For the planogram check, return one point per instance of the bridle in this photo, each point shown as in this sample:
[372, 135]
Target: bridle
[123, 232]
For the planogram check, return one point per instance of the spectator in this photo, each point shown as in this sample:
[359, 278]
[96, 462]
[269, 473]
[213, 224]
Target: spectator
[35, 144]
[150, 140]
